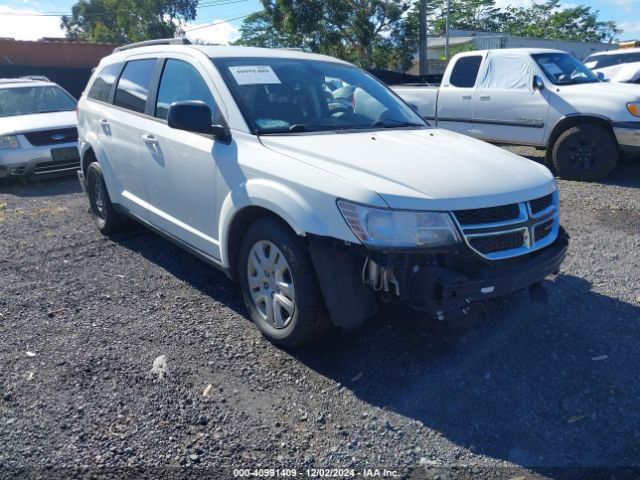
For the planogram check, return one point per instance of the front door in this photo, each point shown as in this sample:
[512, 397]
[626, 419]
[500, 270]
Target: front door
[507, 106]
[182, 166]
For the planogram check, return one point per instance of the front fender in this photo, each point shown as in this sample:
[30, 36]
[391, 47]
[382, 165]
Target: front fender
[313, 213]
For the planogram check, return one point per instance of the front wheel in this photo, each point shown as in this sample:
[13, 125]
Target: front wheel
[279, 285]
[585, 152]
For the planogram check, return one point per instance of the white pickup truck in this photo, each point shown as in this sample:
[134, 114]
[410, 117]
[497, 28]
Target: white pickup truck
[538, 97]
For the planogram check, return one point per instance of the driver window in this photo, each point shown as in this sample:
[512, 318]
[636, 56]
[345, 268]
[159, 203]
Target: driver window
[182, 82]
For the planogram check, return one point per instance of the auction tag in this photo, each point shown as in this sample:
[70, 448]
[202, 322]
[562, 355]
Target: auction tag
[553, 69]
[254, 75]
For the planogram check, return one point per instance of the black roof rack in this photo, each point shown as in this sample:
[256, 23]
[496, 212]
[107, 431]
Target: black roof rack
[148, 43]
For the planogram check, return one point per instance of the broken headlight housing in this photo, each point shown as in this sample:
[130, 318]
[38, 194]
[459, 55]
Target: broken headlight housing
[379, 227]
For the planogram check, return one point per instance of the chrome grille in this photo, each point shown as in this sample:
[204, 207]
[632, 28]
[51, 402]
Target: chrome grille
[510, 230]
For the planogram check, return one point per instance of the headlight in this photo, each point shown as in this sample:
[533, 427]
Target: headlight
[634, 108]
[379, 227]
[9, 141]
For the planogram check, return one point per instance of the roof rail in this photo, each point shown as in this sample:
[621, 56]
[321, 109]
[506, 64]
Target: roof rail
[148, 43]
[35, 78]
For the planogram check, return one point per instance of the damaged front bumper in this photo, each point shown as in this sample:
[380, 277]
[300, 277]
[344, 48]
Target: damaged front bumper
[444, 284]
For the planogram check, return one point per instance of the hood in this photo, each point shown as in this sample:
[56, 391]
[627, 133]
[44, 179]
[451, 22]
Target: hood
[37, 121]
[421, 169]
[625, 72]
[626, 91]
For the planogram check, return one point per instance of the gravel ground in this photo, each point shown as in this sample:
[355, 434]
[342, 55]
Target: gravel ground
[538, 390]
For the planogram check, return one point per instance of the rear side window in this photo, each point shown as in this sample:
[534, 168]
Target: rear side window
[182, 82]
[133, 86]
[101, 88]
[465, 71]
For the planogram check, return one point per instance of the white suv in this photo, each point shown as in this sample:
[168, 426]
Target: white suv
[317, 207]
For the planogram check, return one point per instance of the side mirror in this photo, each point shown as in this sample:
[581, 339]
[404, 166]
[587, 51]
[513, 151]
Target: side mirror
[538, 83]
[195, 116]
[601, 77]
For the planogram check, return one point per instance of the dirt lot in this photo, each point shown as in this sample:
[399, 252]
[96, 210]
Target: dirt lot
[538, 390]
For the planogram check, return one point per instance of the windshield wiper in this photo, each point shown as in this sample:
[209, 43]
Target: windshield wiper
[397, 124]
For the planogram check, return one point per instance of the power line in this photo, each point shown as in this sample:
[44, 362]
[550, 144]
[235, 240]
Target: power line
[220, 22]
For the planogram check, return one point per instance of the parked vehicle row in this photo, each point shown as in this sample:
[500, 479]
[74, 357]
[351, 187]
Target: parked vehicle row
[617, 65]
[537, 97]
[38, 132]
[318, 207]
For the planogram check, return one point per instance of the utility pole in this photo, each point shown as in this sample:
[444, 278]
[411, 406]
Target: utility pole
[446, 41]
[423, 37]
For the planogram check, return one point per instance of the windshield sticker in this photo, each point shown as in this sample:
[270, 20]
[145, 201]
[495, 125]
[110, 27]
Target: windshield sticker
[553, 69]
[254, 75]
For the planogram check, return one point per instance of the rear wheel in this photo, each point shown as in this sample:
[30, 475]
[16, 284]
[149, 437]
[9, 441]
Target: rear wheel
[585, 152]
[279, 285]
[106, 218]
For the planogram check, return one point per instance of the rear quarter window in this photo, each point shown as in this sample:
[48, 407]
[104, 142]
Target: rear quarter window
[465, 71]
[102, 85]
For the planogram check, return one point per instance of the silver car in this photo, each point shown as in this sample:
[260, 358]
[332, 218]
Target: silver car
[38, 133]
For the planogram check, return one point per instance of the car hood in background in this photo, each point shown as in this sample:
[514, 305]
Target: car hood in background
[37, 121]
[625, 72]
[421, 168]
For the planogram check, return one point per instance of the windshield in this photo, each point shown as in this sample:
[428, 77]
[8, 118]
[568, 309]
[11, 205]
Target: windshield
[564, 69]
[30, 100]
[283, 95]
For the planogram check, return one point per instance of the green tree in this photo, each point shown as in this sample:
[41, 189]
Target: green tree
[122, 21]
[548, 20]
[357, 30]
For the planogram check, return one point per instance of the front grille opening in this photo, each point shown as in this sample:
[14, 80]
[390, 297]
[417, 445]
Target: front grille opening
[543, 230]
[49, 167]
[478, 216]
[540, 204]
[45, 137]
[498, 243]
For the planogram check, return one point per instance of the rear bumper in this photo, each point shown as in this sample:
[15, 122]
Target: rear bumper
[628, 136]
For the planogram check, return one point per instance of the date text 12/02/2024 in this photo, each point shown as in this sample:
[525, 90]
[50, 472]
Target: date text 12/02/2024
[314, 473]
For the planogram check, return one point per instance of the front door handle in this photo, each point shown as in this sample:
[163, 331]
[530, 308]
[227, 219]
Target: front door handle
[485, 97]
[149, 139]
[466, 97]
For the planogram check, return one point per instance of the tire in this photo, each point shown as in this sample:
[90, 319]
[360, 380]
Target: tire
[288, 288]
[585, 152]
[106, 218]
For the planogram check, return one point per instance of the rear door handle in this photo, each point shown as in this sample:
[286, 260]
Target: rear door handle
[485, 97]
[466, 97]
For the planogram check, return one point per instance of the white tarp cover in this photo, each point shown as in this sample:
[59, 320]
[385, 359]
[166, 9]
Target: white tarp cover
[508, 71]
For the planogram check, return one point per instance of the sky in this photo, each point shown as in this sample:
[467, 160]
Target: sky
[219, 23]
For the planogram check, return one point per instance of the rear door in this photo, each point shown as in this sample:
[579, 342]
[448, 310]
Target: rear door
[124, 123]
[506, 106]
[455, 97]
[180, 166]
